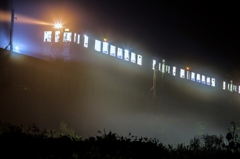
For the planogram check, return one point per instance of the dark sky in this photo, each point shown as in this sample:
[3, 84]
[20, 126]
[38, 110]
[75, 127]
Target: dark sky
[203, 32]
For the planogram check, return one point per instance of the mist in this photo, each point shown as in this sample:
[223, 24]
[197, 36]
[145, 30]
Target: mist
[93, 92]
[118, 100]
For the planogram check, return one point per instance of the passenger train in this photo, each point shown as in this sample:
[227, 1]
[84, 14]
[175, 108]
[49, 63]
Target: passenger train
[96, 83]
[66, 38]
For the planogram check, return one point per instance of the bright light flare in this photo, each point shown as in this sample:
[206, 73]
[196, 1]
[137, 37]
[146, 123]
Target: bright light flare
[16, 48]
[57, 25]
[6, 17]
[28, 20]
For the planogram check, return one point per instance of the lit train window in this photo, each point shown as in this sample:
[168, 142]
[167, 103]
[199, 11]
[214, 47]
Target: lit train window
[85, 41]
[133, 57]
[75, 37]
[235, 88]
[198, 78]
[169, 69]
[159, 67]
[153, 64]
[67, 36]
[213, 82]
[208, 81]
[112, 50]
[174, 71]
[192, 76]
[126, 55]
[224, 85]
[238, 89]
[182, 73]
[203, 79]
[47, 36]
[98, 45]
[57, 36]
[163, 67]
[139, 59]
[105, 48]
[230, 87]
[188, 75]
[78, 41]
[120, 53]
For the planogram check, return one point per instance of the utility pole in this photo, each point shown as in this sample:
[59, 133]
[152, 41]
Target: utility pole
[154, 82]
[11, 30]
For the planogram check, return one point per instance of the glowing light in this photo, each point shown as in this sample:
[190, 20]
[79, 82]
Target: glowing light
[187, 68]
[163, 66]
[182, 73]
[174, 71]
[139, 59]
[57, 25]
[154, 64]
[66, 29]
[126, 55]
[5, 16]
[105, 39]
[85, 41]
[112, 50]
[98, 45]
[213, 82]
[105, 48]
[133, 57]
[16, 49]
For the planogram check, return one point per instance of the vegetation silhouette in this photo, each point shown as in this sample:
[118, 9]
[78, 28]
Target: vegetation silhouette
[19, 142]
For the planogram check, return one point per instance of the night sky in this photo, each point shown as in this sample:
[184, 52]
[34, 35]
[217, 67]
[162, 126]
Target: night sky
[204, 34]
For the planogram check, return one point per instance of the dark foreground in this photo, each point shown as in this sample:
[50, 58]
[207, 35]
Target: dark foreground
[31, 142]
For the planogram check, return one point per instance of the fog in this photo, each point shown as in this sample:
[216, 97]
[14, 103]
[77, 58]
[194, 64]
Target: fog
[88, 100]
[116, 98]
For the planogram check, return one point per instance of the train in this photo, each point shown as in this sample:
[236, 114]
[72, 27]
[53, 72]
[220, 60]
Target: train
[67, 40]
[94, 83]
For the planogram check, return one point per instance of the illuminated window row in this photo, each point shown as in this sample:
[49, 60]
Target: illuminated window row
[99, 46]
[161, 67]
[231, 87]
[192, 76]
[67, 37]
[197, 77]
[77, 39]
[120, 53]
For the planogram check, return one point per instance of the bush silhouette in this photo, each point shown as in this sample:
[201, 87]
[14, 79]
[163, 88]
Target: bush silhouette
[18, 142]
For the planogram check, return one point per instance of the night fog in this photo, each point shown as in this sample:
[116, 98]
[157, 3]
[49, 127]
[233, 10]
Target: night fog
[94, 92]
